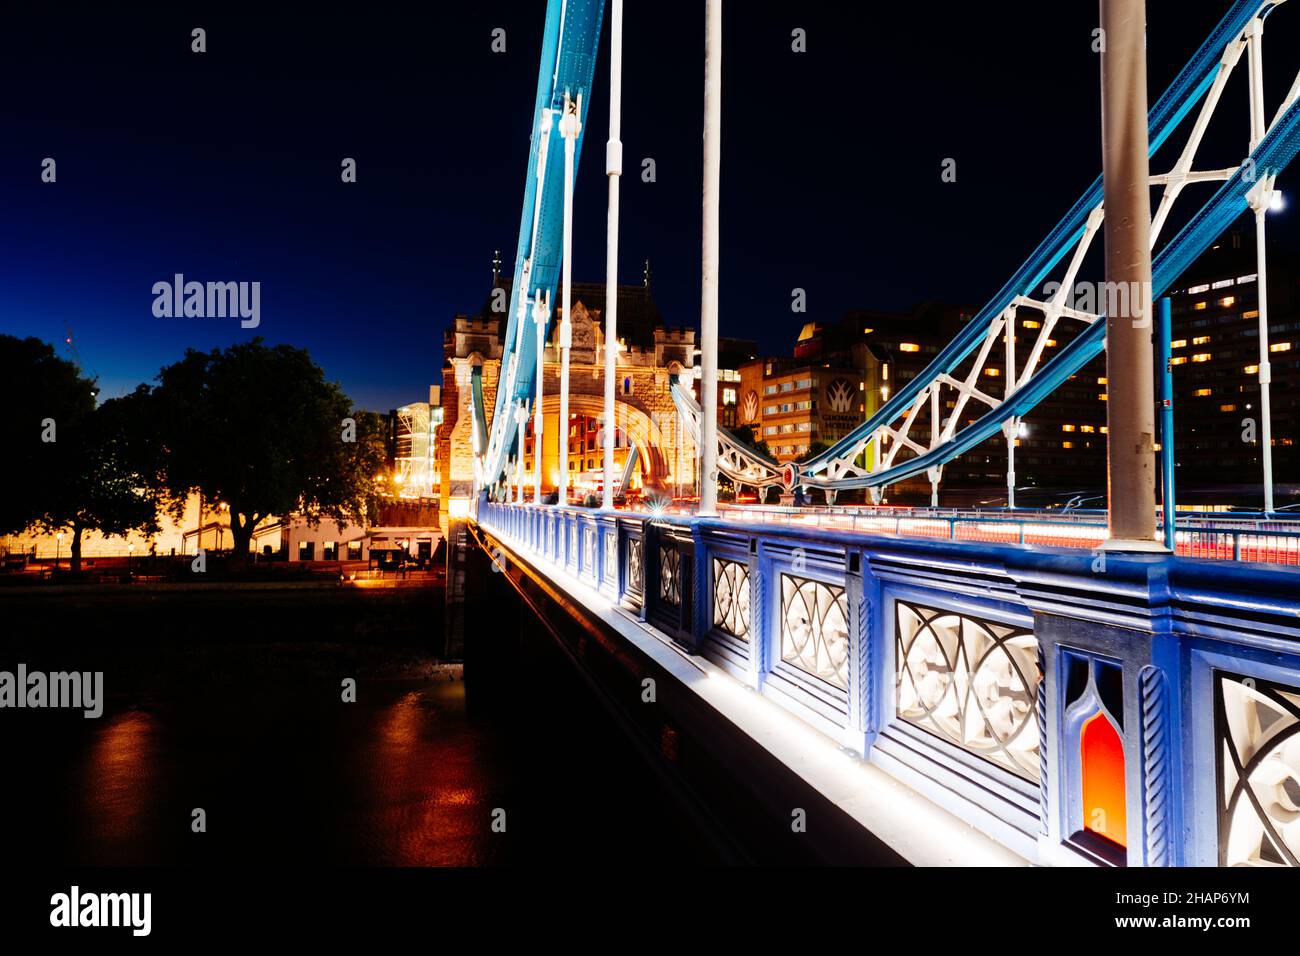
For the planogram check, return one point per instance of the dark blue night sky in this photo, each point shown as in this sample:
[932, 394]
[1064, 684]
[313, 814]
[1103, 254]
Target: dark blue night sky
[225, 166]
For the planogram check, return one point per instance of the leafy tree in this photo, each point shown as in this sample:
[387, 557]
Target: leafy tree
[260, 429]
[77, 467]
[112, 486]
[45, 399]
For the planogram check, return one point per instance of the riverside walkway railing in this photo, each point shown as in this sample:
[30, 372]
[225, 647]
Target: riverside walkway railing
[1076, 706]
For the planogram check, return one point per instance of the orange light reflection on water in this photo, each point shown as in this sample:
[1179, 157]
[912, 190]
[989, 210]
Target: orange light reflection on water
[437, 809]
[119, 788]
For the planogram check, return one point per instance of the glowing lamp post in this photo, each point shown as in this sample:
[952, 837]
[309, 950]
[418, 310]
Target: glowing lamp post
[58, 545]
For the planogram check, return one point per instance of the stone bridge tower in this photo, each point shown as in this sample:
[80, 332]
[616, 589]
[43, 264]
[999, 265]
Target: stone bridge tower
[647, 418]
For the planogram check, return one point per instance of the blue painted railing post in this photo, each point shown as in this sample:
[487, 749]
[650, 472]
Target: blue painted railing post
[757, 616]
[650, 572]
[860, 668]
[1098, 661]
[608, 550]
[701, 591]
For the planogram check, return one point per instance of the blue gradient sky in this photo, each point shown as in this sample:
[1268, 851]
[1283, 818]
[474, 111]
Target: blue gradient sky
[225, 166]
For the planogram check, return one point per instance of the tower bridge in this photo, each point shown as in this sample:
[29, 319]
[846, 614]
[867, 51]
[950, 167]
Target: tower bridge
[645, 417]
[1111, 688]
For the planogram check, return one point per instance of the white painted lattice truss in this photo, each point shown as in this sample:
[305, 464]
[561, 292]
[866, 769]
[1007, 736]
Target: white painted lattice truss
[937, 420]
[739, 462]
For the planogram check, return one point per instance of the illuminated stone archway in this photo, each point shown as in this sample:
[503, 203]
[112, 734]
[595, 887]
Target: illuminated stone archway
[639, 427]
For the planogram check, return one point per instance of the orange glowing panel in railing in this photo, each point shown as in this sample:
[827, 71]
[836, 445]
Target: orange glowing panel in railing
[1102, 754]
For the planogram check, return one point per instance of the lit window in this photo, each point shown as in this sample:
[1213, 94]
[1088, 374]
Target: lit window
[1202, 392]
[1032, 324]
[1181, 360]
[992, 372]
[1250, 278]
[1051, 343]
[1201, 340]
[728, 396]
[909, 347]
[1067, 444]
[1177, 343]
[1222, 284]
[1280, 347]
[1228, 300]
[1202, 357]
[1102, 380]
[1227, 408]
[1251, 369]
[1252, 314]
[1198, 288]
[1104, 429]
[1067, 428]
[1102, 397]
[1198, 307]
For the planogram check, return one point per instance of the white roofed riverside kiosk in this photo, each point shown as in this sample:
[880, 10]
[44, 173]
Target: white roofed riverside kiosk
[955, 689]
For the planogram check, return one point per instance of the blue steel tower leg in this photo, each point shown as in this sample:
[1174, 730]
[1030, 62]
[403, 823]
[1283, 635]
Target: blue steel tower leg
[1164, 332]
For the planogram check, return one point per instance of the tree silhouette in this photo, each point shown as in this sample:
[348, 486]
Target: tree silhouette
[260, 429]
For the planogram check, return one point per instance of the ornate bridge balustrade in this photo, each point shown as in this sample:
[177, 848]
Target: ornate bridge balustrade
[1077, 707]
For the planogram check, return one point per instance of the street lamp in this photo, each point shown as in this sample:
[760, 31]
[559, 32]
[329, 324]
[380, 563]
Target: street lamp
[130, 551]
[58, 544]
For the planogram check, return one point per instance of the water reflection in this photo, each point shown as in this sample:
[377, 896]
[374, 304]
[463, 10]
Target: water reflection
[287, 773]
[427, 778]
[119, 789]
